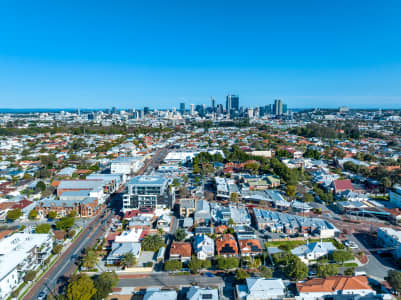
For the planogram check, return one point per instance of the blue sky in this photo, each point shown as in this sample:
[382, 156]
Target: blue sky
[126, 53]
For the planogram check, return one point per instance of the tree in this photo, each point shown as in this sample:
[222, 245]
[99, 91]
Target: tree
[308, 197]
[73, 214]
[29, 275]
[349, 271]
[180, 234]
[128, 260]
[65, 223]
[241, 274]
[234, 197]
[227, 263]
[394, 279]
[43, 228]
[266, 272]
[52, 215]
[195, 265]
[71, 233]
[33, 214]
[324, 270]
[341, 256]
[14, 214]
[89, 260]
[40, 186]
[152, 243]
[57, 248]
[172, 265]
[80, 287]
[291, 190]
[104, 284]
[294, 268]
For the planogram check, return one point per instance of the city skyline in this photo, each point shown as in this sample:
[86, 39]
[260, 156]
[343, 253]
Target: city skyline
[310, 55]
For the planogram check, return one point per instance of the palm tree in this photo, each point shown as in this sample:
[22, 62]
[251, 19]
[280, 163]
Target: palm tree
[128, 260]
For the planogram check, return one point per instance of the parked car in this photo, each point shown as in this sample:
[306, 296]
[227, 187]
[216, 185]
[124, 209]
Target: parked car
[42, 295]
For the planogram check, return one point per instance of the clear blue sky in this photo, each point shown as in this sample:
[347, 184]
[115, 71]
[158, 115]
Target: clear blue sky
[91, 54]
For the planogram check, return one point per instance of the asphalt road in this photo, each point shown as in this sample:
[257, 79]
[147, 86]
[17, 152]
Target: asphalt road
[164, 280]
[65, 264]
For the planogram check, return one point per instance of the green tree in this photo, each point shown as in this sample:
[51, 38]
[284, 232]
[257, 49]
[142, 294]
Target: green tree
[52, 215]
[195, 265]
[324, 270]
[308, 197]
[65, 223]
[266, 272]
[172, 265]
[80, 287]
[394, 279]
[57, 248]
[349, 271]
[14, 214]
[341, 256]
[104, 284]
[89, 260]
[128, 260]
[294, 268]
[241, 274]
[291, 190]
[152, 243]
[180, 234]
[33, 214]
[73, 214]
[43, 228]
[29, 275]
[234, 197]
[71, 233]
[40, 186]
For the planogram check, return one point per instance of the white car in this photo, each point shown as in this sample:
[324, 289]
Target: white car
[42, 295]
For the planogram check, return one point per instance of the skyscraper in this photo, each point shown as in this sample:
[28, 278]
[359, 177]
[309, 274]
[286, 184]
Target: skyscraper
[235, 102]
[228, 104]
[278, 107]
[182, 108]
[145, 110]
[213, 104]
[192, 109]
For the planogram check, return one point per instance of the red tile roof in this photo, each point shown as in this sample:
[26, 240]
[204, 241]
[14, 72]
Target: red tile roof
[343, 185]
[333, 284]
[182, 249]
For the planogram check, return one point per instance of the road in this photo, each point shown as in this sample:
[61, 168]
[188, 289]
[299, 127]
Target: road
[164, 280]
[65, 263]
[374, 267]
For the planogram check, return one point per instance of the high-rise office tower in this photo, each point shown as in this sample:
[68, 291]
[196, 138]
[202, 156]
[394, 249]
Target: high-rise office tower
[228, 104]
[113, 110]
[192, 109]
[219, 109]
[146, 110]
[278, 107]
[250, 113]
[182, 108]
[213, 104]
[235, 102]
[284, 108]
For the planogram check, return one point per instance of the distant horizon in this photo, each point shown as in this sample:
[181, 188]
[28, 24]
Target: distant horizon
[158, 54]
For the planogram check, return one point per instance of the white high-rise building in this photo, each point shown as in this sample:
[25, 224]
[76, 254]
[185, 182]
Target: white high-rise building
[192, 109]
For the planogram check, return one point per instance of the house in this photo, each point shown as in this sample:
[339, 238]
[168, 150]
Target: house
[202, 212]
[118, 250]
[226, 245]
[157, 294]
[334, 285]
[342, 185]
[260, 289]
[203, 246]
[181, 251]
[249, 247]
[187, 207]
[197, 293]
[313, 251]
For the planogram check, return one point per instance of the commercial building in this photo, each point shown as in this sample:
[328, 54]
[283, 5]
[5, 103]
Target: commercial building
[20, 253]
[148, 191]
[390, 238]
[395, 195]
[126, 165]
